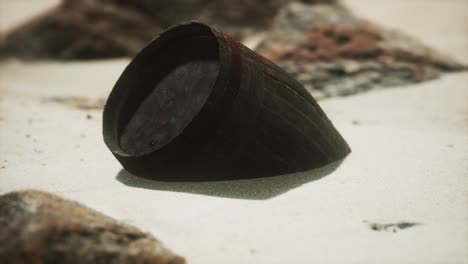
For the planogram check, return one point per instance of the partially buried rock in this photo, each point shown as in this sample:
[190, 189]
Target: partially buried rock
[322, 44]
[90, 29]
[39, 227]
[238, 17]
[334, 53]
[85, 29]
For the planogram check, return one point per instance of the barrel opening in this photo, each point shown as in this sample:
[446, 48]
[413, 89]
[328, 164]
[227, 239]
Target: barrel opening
[168, 84]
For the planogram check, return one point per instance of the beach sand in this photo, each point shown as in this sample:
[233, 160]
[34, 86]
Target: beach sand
[401, 196]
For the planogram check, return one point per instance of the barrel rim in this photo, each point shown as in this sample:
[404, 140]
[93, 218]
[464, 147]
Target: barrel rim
[115, 102]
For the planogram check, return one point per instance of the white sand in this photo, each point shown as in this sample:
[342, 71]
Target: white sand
[409, 163]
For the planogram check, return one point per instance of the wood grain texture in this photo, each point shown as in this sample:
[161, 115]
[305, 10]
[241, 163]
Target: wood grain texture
[257, 121]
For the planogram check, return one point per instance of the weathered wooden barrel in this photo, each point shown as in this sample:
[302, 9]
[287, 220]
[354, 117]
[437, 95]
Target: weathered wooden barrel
[195, 104]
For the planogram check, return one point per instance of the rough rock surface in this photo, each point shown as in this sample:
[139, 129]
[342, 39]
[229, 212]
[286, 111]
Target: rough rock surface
[334, 53]
[320, 42]
[85, 29]
[238, 17]
[39, 227]
[89, 29]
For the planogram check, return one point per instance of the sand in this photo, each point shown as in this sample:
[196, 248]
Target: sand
[409, 164]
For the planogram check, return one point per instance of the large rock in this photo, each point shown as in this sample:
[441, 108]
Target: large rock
[238, 17]
[85, 29]
[89, 29]
[321, 43]
[39, 227]
[334, 53]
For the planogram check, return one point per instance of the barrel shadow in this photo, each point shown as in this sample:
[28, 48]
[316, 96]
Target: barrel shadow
[251, 189]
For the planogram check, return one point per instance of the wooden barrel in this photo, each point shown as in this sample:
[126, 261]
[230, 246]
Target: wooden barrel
[195, 104]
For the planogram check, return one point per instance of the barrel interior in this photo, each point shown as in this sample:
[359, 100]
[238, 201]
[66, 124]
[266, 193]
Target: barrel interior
[170, 84]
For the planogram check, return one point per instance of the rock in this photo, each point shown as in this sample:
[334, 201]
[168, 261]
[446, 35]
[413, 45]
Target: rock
[334, 53]
[91, 29]
[39, 227]
[238, 17]
[80, 30]
[321, 43]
